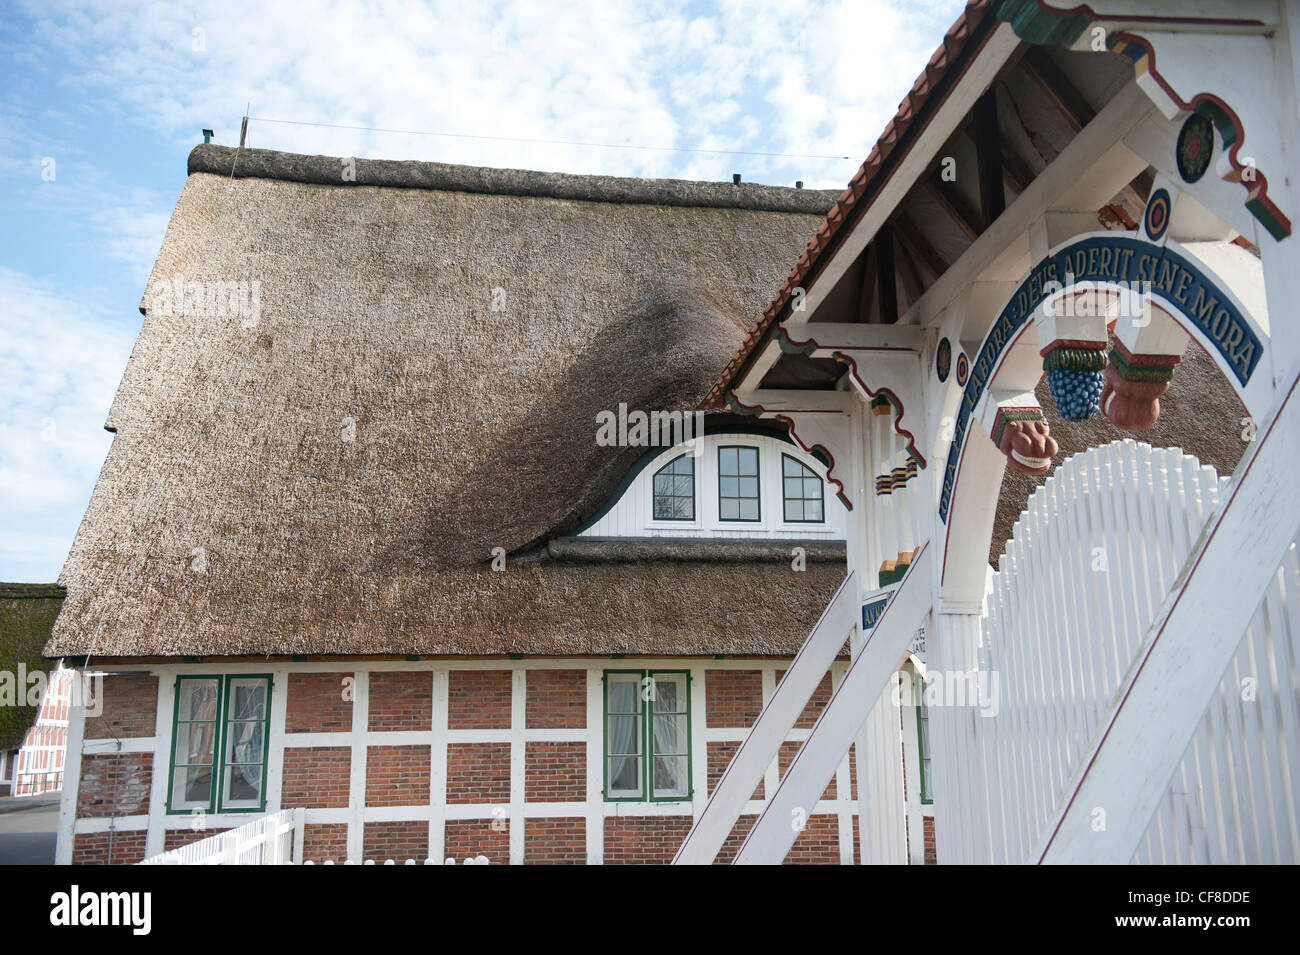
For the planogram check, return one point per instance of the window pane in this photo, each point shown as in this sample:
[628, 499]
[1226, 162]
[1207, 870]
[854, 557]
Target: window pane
[192, 787]
[624, 736]
[243, 784]
[729, 509]
[793, 486]
[674, 490]
[194, 744]
[198, 700]
[748, 460]
[727, 460]
[749, 487]
[670, 776]
[624, 776]
[794, 510]
[244, 742]
[670, 734]
[247, 700]
[789, 466]
[624, 690]
[812, 510]
[729, 486]
[748, 509]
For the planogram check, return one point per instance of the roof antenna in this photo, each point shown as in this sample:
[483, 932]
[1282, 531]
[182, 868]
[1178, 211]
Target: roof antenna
[243, 127]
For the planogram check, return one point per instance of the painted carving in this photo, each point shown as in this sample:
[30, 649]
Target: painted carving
[1023, 436]
[1074, 377]
[1133, 386]
[1195, 146]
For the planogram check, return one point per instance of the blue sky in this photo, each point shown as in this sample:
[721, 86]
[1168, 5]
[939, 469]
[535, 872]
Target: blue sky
[101, 103]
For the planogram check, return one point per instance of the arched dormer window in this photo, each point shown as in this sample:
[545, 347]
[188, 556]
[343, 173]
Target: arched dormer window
[803, 492]
[674, 490]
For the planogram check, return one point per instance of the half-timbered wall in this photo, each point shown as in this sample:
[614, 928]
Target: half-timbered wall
[436, 759]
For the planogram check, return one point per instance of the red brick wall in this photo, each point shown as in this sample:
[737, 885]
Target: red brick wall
[556, 699]
[719, 754]
[931, 852]
[397, 775]
[786, 756]
[465, 838]
[560, 841]
[644, 840]
[92, 848]
[315, 704]
[732, 697]
[398, 841]
[130, 702]
[817, 844]
[812, 711]
[325, 843]
[111, 780]
[478, 772]
[316, 777]
[727, 854]
[555, 772]
[401, 700]
[480, 699]
[176, 838]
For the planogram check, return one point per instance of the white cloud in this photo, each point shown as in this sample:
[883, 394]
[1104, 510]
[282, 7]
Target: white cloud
[59, 369]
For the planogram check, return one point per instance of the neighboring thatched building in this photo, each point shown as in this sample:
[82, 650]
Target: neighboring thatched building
[33, 737]
[357, 498]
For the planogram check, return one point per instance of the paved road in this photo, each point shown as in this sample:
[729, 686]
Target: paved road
[27, 831]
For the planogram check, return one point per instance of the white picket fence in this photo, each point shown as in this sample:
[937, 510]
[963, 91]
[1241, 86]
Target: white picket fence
[1091, 559]
[273, 839]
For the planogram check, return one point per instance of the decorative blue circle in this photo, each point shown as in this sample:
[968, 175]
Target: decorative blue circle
[963, 368]
[1156, 218]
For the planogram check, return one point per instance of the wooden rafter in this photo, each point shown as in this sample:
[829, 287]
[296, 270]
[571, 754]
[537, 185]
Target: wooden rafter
[918, 246]
[884, 244]
[955, 205]
[867, 284]
[988, 157]
[1061, 94]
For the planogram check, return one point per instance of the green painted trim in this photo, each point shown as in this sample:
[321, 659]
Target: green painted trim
[758, 476]
[790, 348]
[1033, 24]
[647, 754]
[821, 490]
[219, 733]
[922, 720]
[216, 748]
[266, 741]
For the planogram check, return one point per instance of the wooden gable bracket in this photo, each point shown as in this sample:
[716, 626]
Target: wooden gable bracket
[819, 421]
[881, 359]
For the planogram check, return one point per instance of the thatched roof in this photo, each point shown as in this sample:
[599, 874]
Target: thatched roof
[27, 613]
[332, 474]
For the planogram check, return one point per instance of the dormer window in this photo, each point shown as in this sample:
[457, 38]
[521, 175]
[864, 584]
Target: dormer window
[738, 498]
[803, 492]
[674, 490]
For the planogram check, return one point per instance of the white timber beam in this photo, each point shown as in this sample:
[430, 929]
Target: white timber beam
[763, 744]
[868, 676]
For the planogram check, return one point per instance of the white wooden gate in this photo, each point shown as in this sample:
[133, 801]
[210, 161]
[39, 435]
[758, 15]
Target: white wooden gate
[1089, 564]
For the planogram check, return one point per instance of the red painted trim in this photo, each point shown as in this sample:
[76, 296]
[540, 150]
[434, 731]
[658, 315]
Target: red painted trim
[1256, 191]
[894, 399]
[1182, 591]
[830, 469]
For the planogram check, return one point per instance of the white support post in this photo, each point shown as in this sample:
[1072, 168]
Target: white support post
[299, 820]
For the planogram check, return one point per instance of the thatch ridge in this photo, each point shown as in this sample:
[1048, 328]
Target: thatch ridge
[413, 174]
